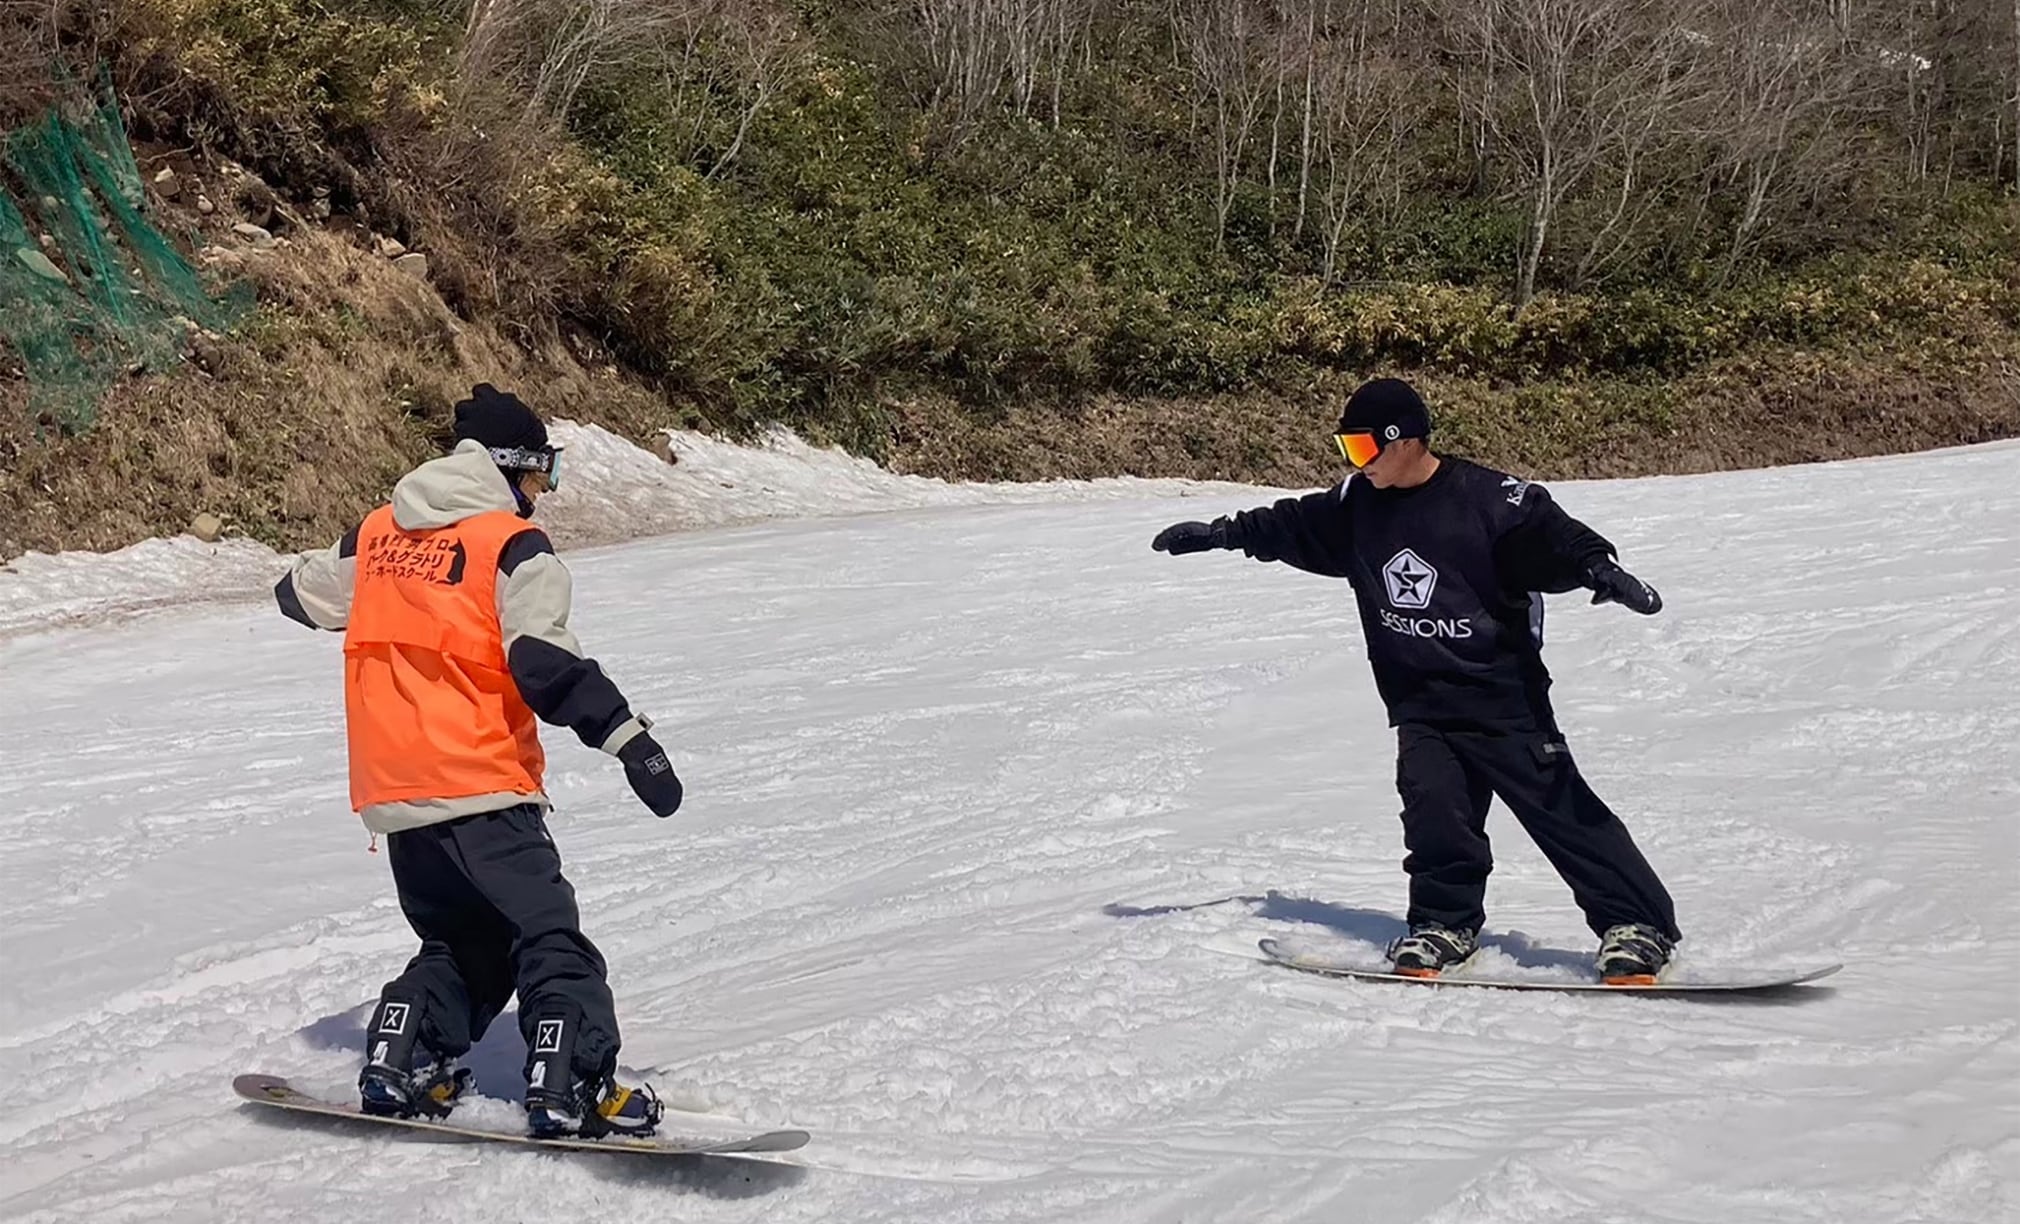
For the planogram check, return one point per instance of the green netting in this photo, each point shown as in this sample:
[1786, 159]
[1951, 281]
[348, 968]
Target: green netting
[107, 293]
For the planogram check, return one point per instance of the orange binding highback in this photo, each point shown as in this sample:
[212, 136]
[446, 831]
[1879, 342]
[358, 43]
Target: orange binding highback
[432, 709]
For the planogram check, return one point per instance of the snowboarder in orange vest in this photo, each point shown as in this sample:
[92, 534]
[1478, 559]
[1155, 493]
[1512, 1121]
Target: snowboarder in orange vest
[454, 611]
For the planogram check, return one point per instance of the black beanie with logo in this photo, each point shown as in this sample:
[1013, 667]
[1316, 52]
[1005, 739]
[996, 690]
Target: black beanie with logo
[1388, 408]
[499, 420]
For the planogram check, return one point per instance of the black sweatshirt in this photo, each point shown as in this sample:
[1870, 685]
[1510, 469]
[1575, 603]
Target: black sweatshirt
[1448, 576]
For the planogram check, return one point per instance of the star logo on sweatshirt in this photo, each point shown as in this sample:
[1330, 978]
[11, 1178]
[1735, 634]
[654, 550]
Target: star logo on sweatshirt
[1410, 581]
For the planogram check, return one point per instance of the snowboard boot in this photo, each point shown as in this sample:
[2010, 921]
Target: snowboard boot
[561, 1102]
[591, 1109]
[1632, 954]
[390, 1086]
[1429, 950]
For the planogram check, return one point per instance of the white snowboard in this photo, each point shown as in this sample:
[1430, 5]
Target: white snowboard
[1277, 954]
[277, 1092]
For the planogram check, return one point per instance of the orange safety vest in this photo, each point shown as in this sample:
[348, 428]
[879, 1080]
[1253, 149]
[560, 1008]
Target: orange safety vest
[430, 704]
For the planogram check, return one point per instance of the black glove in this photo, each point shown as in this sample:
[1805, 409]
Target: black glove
[1611, 584]
[1181, 538]
[651, 774]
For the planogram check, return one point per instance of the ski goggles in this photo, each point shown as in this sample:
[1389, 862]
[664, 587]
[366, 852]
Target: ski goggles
[1359, 447]
[545, 460]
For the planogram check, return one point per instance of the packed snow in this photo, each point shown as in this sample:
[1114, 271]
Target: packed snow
[987, 808]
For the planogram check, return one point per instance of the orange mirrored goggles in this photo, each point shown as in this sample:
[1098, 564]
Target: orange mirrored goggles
[1358, 448]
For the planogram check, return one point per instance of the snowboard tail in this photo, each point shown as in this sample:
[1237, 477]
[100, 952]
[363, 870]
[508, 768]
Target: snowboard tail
[1277, 954]
[278, 1093]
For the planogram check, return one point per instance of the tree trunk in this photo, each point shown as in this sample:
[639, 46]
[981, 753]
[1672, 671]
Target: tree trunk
[1758, 179]
[1305, 133]
[1525, 274]
[1064, 52]
[1539, 228]
[1277, 120]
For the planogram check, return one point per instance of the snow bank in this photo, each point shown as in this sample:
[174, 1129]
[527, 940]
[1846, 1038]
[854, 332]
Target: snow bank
[612, 491]
[43, 590]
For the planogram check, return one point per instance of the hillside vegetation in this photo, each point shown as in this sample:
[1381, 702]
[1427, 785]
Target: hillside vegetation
[1015, 238]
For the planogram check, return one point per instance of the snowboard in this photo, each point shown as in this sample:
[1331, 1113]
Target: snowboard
[277, 1092]
[1277, 954]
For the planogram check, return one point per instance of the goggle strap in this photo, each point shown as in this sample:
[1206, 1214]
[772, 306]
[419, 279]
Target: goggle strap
[522, 459]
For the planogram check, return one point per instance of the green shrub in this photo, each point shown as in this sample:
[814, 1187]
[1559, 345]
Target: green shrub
[855, 247]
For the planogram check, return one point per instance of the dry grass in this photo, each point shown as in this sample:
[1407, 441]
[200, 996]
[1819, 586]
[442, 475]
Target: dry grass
[1792, 408]
[299, 424]
[295, 427]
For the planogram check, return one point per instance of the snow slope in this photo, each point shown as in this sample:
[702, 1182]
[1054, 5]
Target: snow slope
[987, 806]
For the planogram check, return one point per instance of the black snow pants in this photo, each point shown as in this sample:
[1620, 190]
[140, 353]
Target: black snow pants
[1448, 776]
[486, 895]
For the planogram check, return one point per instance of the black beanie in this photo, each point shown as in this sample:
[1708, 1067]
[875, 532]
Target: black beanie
[498, 419]
[1389, 408]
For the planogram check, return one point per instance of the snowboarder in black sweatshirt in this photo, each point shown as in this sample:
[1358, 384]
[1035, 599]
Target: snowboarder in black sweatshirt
[1449, 561]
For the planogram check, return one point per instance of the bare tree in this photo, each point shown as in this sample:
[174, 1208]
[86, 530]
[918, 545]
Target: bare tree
[1053, 33]
[34, 33]
[1974, 57]
[1227, 45]
[1279, 68]
[551, 48]
[1785, 83]
[1473, 32]
[1072, 34]
[725, 53]
[700, 52]
[1310, 64]
[1641, 158]
[588, 36]
[1904, 52]
[1367, 114]
[968, 60]
[1573, 82]
[768, 53]
[983, 54]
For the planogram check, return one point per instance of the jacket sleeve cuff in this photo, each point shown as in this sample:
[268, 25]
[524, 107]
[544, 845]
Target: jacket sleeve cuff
[291, 603]
[627, 731]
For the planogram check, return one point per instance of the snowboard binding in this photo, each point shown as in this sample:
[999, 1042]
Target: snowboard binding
[431, 1092]
[390, 1086]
